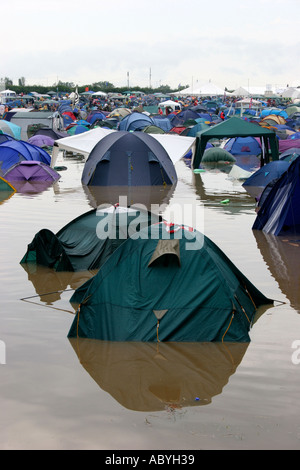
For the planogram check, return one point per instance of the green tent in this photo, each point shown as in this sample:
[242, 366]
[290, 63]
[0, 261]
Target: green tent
[237, 127]
[87, 241]
[166, 283]
[6, 185]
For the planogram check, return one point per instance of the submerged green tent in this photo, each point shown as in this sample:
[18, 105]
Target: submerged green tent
[87, 241]
[237, 127]
[167, 283]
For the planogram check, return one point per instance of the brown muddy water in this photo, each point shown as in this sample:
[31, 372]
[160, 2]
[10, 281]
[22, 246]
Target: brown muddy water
[57, 394]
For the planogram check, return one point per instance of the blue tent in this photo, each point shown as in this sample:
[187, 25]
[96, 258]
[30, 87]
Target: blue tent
[274, 111]
[290, 154]
[280, 211]
[180, 118]
[128, 159]
[256, 183]
[243, 146]
[5, 138]
[162, 122]
[135, 122]
[14, 151]
[95, 116]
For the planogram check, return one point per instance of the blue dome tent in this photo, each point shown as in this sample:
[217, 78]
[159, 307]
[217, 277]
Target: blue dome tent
[14, 151]
[130, 159]
[256, 183]
[243, 146]
[135, 122]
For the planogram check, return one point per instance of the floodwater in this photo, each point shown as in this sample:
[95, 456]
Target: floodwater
[58, 394]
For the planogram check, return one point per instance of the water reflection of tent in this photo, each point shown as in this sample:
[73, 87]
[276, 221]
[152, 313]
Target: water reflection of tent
[32, 187]
[172, 277]
[129, 195]
[214, 186]
[281, 255]
[86, 242]
[50, 284]
[151, 377]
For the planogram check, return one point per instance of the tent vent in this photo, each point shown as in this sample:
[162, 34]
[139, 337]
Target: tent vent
[106, 156]
[166, 252]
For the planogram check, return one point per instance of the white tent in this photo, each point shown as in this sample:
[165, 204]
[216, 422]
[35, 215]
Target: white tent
[170, 103]
[8, 93]
[291, 92]
[99, 93]
[248, 103]
[207, 89]
[175, 145]
[240, 91]
[80, 143]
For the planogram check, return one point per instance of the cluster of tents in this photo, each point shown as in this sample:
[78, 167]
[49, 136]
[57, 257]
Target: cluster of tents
[145, 288]
[156, 282]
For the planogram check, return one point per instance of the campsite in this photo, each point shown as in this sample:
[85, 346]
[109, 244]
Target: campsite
[147, 340]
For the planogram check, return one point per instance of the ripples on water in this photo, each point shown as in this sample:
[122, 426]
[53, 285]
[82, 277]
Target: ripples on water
[64, 394]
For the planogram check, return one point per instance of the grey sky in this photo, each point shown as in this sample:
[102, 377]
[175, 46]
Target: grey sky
[232, 43]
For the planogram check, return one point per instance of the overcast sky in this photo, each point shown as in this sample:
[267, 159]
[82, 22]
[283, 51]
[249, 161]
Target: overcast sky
[169, 42]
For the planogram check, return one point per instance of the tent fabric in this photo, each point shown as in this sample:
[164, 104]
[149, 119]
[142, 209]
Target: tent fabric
[5, 137]
[10, 128]
[81, 143]
[41, 141]
[135, 122]
[217, 154]
[236, 127]
[175, 146]
[290, 154]
[162, 122]
[243, 146]
[48, 132]
[31, 171]
[263, 176]
[288, 144]
[280, 211]
[5, 185]
[204, 298]
[86, 242]
[130, 159]
[206, 89]
[14, 151]
[180, 118]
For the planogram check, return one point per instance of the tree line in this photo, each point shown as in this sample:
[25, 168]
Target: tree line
[69, 87]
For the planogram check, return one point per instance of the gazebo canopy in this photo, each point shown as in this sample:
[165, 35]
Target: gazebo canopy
[237, 127]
